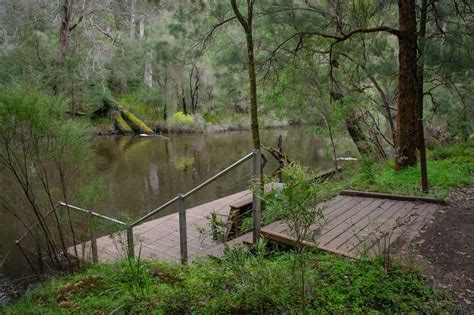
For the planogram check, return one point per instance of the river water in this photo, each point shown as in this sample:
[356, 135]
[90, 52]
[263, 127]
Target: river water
[139, 174]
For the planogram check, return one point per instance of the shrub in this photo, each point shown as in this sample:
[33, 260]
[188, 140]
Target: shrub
[181, 118]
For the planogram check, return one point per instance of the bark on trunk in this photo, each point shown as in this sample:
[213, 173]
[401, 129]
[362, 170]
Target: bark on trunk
[407, 86]
[64, 32]
[253, 91]
[246, 23]
[420, 94]
[183, 101]
[358, 136]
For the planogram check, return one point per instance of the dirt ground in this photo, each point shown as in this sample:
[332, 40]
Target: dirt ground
[444, 248]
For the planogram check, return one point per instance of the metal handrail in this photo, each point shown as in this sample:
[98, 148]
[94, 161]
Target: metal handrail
[146, 216]
[95, 214]
[255, 154]
[224, 171]
[200, 186]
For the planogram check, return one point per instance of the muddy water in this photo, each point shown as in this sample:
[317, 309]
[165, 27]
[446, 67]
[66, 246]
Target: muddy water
[139, 174]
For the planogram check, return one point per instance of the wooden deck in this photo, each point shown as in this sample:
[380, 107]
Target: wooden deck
[353, 225]
[159, 238]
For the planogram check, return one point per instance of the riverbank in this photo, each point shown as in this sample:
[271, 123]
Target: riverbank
[181, 123]
[262, 279]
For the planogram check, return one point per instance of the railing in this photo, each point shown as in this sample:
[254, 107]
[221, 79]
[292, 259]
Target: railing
[256, 155]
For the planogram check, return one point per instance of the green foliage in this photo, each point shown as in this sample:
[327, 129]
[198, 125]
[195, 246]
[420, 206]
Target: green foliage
[214, 118]
[240, 282]
[442, 175]
[181, 122]
[145, 102]
[294, 202]
[181, 118]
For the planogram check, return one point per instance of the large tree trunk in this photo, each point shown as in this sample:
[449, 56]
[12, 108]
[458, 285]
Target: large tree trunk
[407, 86]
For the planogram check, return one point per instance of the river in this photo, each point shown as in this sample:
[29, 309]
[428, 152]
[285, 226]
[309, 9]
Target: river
[139, 174]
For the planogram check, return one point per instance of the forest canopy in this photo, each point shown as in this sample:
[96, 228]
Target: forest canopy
[358, 67]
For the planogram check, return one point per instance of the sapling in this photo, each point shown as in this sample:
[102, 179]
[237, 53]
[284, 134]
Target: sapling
[296, 203]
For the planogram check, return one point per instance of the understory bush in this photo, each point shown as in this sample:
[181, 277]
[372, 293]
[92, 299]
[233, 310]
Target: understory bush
[240, 282]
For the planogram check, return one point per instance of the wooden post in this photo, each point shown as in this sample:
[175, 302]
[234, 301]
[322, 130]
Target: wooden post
[183, 238]
[95, 256]
[38, 256]
[256, 203]
[130, 245]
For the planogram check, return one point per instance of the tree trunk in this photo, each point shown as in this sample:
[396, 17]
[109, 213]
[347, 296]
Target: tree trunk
[183, 101]
[132, 19]
[136, 124]
[120, 124]
[247, 26]
[407, 86]
[142, 28]
[419, 95]
[64, 32]
[358, 136]
[165, 109]
[148, 70]
[253, 91]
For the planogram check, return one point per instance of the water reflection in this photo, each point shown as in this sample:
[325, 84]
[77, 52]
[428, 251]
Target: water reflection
[139, 174]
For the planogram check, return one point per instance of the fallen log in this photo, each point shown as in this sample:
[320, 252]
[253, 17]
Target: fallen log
[120, 124]
[135, 123]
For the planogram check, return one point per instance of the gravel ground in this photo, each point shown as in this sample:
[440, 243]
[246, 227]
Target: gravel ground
[444, 248]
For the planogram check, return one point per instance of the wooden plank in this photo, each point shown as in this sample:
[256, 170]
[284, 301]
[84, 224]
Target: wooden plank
[339, 225]
[413, 223]
[333, 204]
[244, 202]
[390, 196]
[281, 238]
[335, 210]
[358, 222]
[345, 211]
[385, 223]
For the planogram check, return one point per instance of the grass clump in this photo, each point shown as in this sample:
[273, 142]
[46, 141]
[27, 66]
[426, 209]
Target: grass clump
[241, 282]
[449, 166]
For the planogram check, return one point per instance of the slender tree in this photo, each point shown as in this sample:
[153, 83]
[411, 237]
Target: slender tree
[246, 23]
[420, 94]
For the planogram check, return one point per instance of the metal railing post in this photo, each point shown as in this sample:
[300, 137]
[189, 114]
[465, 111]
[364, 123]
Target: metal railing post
[256, 202]
[183, 237]
[130, 245]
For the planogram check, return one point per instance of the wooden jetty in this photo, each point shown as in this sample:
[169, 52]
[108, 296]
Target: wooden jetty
[159, 238]
[354, 223]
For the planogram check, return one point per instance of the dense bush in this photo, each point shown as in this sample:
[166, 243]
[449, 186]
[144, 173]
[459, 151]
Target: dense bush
[239, 283]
